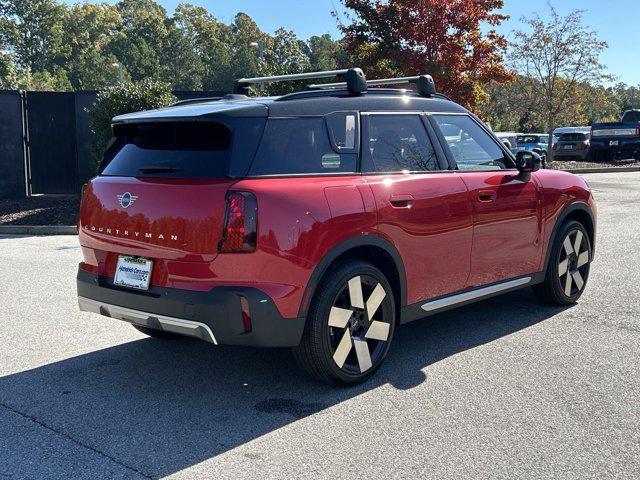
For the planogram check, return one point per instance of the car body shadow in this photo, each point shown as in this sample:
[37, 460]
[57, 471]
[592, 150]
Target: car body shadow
[162, 406]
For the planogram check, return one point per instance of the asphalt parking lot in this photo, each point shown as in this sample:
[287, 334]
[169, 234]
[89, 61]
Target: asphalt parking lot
[502, 389]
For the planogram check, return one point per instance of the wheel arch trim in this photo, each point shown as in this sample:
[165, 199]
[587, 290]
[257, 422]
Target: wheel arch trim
[336, 251]
[573, 207]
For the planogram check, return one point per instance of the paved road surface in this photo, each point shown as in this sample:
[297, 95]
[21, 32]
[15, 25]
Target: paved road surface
[502, 389]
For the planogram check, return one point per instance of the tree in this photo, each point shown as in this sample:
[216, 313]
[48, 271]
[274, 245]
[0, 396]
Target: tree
[139, 47]
[283, 54]
[45, 44]
[34, 31]
[247, 60]
[506, 110]
[440, 37]
[559, 54]
[89, 32]
[181, 66]
[325, 53]
[626, 97]
[9, 76]
[210, 40]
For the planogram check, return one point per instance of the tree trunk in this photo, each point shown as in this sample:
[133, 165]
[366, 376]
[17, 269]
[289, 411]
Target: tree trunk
[550, 127]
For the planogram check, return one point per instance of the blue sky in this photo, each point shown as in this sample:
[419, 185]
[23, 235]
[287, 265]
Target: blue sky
[615, 20]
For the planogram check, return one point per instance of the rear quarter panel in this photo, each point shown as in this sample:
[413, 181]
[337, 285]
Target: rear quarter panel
[299, 220]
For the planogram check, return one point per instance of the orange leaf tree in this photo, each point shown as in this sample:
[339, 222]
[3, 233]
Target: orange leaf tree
[443, 38]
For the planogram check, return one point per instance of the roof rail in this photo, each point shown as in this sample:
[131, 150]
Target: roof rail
[356, 82]
[424, 84]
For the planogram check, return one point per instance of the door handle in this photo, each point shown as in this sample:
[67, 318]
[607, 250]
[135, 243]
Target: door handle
[486, 195]
[401, 201]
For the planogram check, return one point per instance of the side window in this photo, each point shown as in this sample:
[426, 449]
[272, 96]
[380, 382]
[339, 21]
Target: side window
[396, 143]
[471, 147]
[297, 146]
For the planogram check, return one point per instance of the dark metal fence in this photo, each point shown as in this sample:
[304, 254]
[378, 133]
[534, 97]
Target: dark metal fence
[46, 141]
[12, 148]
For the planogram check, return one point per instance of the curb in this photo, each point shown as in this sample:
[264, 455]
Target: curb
[603, 170]
[38, 230]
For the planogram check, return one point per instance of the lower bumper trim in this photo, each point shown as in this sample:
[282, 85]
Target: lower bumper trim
[181, 326]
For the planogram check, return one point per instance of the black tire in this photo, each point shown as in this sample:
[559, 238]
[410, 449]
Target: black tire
[342, 348]
[568, 268]
[155, 333]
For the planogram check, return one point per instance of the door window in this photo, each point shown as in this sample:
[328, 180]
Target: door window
[470, 146]
[397, 143]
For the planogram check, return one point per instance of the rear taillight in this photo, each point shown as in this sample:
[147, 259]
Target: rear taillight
[241, 222]
[584, 145]
[638, 131]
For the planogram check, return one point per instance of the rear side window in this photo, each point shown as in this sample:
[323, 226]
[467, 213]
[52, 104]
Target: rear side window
[301, 145]
[398, 143]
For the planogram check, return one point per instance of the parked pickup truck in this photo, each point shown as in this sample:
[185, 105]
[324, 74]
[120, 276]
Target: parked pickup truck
[616, 139]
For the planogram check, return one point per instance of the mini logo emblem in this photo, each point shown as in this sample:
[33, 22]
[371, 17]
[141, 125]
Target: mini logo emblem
[126, 199]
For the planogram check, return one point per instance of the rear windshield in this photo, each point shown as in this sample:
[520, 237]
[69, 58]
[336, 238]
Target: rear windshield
[573, 137]
[631, 116]
[181, 149]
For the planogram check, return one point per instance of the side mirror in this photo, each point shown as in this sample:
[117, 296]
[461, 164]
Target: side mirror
[527, 162]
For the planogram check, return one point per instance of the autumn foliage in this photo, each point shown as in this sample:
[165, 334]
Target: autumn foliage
[440, 37]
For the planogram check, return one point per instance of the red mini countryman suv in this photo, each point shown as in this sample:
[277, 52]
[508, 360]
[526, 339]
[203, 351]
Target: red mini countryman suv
[321, 220]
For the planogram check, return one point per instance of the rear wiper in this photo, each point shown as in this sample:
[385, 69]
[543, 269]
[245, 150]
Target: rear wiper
[159, 169]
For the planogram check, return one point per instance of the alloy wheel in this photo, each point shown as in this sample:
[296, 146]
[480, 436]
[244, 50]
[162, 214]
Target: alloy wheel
[573, 263]
[359, 329]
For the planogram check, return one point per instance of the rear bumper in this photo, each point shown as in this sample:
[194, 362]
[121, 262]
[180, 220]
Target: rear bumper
[617, 150]
[214, 316]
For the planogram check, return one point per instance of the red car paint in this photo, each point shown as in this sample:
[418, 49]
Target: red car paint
[453, 230]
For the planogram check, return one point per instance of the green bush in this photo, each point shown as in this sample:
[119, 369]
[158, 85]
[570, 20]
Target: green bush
[124, 98]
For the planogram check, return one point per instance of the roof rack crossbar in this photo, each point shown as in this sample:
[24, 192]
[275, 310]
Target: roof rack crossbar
[355, 79]
[425, 83]
[291, 77]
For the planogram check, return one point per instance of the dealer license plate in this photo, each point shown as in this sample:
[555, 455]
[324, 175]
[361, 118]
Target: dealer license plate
[614, 143]
[133, 272]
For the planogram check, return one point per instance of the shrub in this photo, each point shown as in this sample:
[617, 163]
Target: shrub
[123, 98]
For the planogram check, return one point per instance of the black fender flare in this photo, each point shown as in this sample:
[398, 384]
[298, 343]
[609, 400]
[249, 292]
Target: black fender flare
[342, 247]
[579, 205]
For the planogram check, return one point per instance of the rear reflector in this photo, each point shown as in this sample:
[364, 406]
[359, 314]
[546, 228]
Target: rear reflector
[240, 227]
